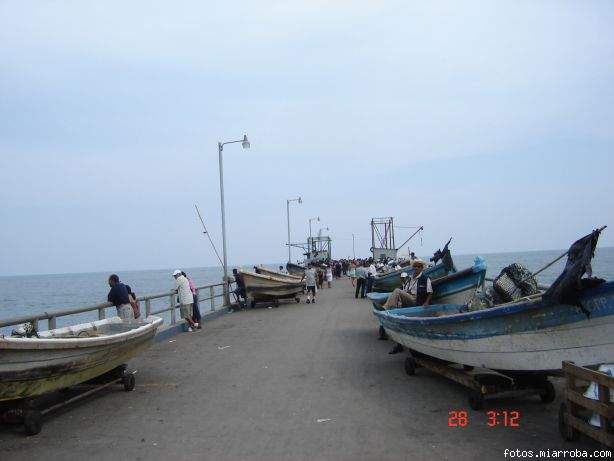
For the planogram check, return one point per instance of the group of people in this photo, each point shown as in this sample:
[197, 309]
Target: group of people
[127, 304]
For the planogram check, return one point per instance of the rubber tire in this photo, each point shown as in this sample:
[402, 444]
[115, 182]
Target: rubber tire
[297, 299]
[410, 365]
[32, 422]
[382, 333]
[568, 433]
[129, 382]
[476, 400]
[549, 394]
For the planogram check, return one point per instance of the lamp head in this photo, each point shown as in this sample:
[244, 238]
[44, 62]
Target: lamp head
[245, 142]
[300, 200]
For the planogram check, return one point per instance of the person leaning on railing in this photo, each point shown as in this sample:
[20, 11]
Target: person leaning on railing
[186, 299]
[119, 297]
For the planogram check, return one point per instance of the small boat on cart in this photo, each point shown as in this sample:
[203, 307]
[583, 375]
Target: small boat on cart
[573, 320]
[262, 287]
[295, 269]
[454, 288]
[63, 357]
[272, 273]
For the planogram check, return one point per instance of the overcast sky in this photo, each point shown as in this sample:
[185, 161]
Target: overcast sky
[492, 122]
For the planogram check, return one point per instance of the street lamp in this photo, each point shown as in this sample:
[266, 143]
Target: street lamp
[220, 147]
[353, 247]
[299, 200]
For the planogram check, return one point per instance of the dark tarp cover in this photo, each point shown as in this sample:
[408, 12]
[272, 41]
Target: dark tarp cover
[567, 286]
[445, 256]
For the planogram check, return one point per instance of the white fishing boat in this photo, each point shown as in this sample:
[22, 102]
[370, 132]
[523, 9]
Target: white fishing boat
[63, 357]
[262, 287]
[272, 273]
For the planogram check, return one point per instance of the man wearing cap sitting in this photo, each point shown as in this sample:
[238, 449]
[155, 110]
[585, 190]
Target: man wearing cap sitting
[417, 290]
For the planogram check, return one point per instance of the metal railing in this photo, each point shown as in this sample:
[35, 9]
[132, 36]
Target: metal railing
[171, 306]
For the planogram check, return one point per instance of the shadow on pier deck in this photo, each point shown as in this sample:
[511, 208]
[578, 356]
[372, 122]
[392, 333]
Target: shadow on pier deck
[296, 382]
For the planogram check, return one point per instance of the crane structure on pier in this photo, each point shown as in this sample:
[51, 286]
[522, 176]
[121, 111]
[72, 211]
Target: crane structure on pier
[382, 238]
[318, 249]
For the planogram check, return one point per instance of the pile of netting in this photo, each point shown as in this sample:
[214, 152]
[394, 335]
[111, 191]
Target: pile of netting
[513, 282]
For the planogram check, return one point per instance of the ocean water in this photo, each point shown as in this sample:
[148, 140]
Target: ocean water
[22, 295]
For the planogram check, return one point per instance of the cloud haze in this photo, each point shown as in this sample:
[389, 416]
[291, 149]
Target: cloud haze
[487, 121]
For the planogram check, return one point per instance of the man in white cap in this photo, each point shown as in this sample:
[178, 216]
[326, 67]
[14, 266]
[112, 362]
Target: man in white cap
[186, 299]
[417, 290]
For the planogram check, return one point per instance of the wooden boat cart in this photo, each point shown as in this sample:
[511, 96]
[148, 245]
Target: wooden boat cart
[484, 384]
[576, 410]
[30, 412]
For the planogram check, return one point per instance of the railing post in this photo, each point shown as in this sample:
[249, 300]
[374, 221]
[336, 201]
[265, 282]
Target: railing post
[147, 307]
[226, 294]
[101, 313]
[212, 297]
[51, 325]
[172, 306]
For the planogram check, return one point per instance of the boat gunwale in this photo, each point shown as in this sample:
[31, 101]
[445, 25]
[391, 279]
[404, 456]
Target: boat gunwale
[497, 311]
[7, 342]
[299, 281]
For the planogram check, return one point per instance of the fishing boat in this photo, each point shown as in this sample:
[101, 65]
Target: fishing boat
[573, 320]
[63, 357]
[295, 269]
[454, 288]
[262, 287]
[272, 273]
[387, 282]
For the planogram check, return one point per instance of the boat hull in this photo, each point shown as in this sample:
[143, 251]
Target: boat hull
[388, 282]
[524, 336]
[31, 367]
[260, 287]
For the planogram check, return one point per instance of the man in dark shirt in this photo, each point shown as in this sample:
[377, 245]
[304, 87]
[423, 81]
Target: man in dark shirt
[118, 296]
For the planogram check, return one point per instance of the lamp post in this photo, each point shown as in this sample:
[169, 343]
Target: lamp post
[220, 147]
[299, 200]
[353, 246]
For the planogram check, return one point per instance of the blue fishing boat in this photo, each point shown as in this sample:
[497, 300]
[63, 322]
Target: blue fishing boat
[387, 282]
[573, 320]
[457, 287]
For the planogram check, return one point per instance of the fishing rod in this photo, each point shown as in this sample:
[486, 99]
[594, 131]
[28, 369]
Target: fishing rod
[206, 232]
[554, 261]
[208, 235]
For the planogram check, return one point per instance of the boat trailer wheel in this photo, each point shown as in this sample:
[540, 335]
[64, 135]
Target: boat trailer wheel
[548, 393]
[129, 382]
[297, 299]
[410, 365]
[32, 422]
[476, 400]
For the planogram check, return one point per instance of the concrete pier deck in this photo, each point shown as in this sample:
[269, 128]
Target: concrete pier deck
[295, 382]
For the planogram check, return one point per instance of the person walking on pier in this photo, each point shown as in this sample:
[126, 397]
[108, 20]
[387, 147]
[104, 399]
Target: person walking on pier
[195, 308]
[371, 273]
[361, 279]
[119, 296]
[310, 283]
[329, 275]
[186, 299]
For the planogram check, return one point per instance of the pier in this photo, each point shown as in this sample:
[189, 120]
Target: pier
[292, 382]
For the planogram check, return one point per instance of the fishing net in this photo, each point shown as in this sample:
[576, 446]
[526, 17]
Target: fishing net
[515, 281]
